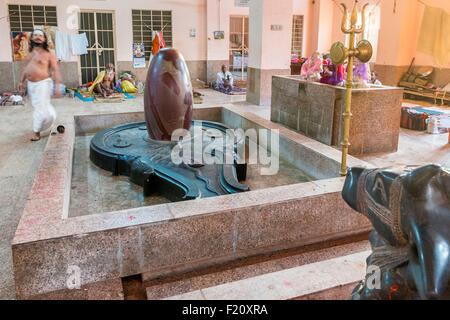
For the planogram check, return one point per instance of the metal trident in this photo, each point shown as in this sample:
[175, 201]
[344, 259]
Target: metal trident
[339, 53]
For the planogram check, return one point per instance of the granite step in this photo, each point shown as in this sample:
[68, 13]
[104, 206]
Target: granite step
[295, 274]
[329, 279]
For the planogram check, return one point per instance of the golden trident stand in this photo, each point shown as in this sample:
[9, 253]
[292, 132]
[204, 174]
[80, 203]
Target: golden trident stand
[339, 53]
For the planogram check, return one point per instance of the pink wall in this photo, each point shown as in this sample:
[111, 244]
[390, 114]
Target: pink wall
[422, 58]
[218, 17]
[270, 49]
[5, 53]
[397, 40]
[304, 7]
[218, 49]
[186, 14]
[399, 31]
[320, 26]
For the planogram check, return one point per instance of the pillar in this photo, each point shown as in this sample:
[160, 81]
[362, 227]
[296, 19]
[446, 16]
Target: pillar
[217, 49]
[6, 66]
[322, 26]
[270, 46]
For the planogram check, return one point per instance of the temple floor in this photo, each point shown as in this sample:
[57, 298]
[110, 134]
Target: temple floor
[20, 158]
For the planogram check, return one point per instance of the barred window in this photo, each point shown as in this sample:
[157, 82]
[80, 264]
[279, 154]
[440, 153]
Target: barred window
[146, 21]
[23, 18]
[297, 35]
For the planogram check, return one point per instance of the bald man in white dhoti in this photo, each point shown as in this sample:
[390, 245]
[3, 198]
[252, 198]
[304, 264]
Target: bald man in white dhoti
[41, 68]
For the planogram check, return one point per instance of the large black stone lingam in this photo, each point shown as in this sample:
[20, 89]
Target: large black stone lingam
[143, 151]
[168, 95]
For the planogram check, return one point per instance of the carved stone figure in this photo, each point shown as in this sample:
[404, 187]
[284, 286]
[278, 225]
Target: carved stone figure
[410, 213]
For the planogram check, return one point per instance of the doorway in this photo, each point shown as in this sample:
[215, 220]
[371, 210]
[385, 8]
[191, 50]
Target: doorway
[239, 46]
[99, 29]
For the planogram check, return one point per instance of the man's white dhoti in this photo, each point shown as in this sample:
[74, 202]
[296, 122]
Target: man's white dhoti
[44, 113]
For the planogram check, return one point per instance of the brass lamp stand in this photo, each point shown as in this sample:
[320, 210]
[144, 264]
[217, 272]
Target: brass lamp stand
[339, 53]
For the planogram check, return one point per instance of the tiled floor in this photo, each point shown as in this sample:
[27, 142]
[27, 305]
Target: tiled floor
[19, 158]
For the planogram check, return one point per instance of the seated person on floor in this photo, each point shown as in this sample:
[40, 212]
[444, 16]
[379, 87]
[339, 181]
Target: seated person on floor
[224, 81]
[104, 83]
[374, 79]
[332, 74]
[361, 73]
[127, 83]
[312, 68]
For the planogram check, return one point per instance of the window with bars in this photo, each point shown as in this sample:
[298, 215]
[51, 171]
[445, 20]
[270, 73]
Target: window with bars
[297, 35]
[23, 18]
[146, 21]
[99, 29]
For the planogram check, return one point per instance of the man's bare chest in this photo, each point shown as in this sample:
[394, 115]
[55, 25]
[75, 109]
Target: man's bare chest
[41, 60]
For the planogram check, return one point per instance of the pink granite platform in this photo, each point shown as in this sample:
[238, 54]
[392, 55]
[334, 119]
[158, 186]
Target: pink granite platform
[155, 239]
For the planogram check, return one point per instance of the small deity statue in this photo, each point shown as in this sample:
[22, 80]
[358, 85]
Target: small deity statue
[312, 68]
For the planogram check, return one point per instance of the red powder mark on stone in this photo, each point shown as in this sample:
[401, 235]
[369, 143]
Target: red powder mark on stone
[131, 218]
[188, 99]
[163, 134]
[394, 289]
[188, 117]
[169, 81]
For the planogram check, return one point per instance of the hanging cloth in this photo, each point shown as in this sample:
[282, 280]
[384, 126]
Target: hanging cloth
[434, 36]
[155, 43]
[79, 44]
[162, 43]
[158, 42]
[98, 80]
[63, 48]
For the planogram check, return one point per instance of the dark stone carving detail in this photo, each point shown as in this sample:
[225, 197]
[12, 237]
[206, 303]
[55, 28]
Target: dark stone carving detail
[127, 150]
[410, 213]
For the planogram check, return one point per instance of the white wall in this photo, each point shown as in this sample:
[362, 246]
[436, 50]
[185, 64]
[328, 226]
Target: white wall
[5, 40]
[203, 15]
[186, 14]
[304, 8]
[270, 50]
[218, 19]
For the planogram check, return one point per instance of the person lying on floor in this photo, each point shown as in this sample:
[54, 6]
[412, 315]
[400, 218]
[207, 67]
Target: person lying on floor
[104, 83]
[224, 81]
[374, 79]
[127, 83]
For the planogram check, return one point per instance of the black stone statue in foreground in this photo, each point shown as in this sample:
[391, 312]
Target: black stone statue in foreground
[410, 213]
